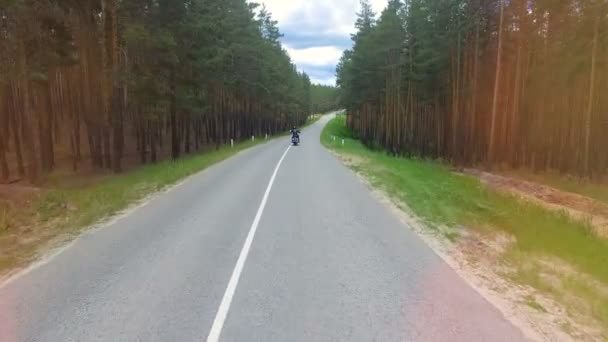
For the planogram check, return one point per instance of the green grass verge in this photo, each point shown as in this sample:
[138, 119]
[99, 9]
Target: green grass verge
[115, 193]
[63, 211]
[442, 198]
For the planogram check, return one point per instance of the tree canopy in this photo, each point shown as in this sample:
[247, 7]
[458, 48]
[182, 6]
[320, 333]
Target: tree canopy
[112, 80]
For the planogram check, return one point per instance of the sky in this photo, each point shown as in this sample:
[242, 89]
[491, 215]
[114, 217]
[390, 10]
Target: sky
[316, 32]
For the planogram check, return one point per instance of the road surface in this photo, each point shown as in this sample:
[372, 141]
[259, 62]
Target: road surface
[248, 251]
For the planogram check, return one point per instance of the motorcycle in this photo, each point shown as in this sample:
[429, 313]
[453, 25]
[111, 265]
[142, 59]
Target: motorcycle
[295, 140]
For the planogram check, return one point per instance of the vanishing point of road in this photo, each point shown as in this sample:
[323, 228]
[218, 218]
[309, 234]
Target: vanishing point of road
[276, 243]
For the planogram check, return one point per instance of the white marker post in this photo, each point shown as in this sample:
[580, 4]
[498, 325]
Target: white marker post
[266, 137]
[253, 138]
[342, 142]
[231, 143]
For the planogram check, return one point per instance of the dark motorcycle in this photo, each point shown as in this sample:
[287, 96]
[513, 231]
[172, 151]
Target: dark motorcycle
[295, 140]
[295, 136]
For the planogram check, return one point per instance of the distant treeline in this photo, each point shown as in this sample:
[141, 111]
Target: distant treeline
[516, 83]
[324, 98]
[102, 80]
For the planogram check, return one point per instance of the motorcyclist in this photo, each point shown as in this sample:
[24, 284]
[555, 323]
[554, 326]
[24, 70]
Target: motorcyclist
[295, 133]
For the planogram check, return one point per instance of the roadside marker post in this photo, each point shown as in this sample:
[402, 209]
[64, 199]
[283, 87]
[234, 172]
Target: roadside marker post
[253, 138]
[342, 142]
[231, 143]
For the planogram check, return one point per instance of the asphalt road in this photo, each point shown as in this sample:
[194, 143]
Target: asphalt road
[314, 257]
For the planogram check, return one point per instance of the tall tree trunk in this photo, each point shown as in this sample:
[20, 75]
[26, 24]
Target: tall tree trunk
[474, 125]
[518, 84]
[117, 130]
[591, 97]
[153, 137]
[187, 129]
[491, 145]
[175, 141]
[26, 117]
[45, 129]
[4, 133]
[4, 170]
[104, 134]
[106, 147]
[12, 117]
[108, 63]
[90, 112]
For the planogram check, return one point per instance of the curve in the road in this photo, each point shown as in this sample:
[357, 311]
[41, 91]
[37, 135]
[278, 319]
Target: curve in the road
[328, 263]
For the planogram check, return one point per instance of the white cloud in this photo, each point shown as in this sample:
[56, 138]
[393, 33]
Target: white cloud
[306, 21]
[379, 5]
[325, 81]
[334, 15]
[315, 56]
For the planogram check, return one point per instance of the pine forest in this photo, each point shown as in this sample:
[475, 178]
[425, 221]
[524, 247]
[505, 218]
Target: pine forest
[95, 84]
[498, 83]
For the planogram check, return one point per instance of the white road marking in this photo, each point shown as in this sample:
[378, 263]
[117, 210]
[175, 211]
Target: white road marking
[222, 312]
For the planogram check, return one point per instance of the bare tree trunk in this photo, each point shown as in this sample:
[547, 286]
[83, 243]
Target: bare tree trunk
[153, 135]
[4, 133]
[106, 146]
[4, 171]
[117, 130]
[187, 129]
[456, 131]
[175, 143]
[517, 89]
[45, 127]
[26, 117]
[143, 139]
[104, 134]
[474, 125]
[491, 145]
[591, 96]
[16, 131]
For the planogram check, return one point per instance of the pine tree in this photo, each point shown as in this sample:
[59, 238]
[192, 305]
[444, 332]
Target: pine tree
[492, 82]
[133, 75]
